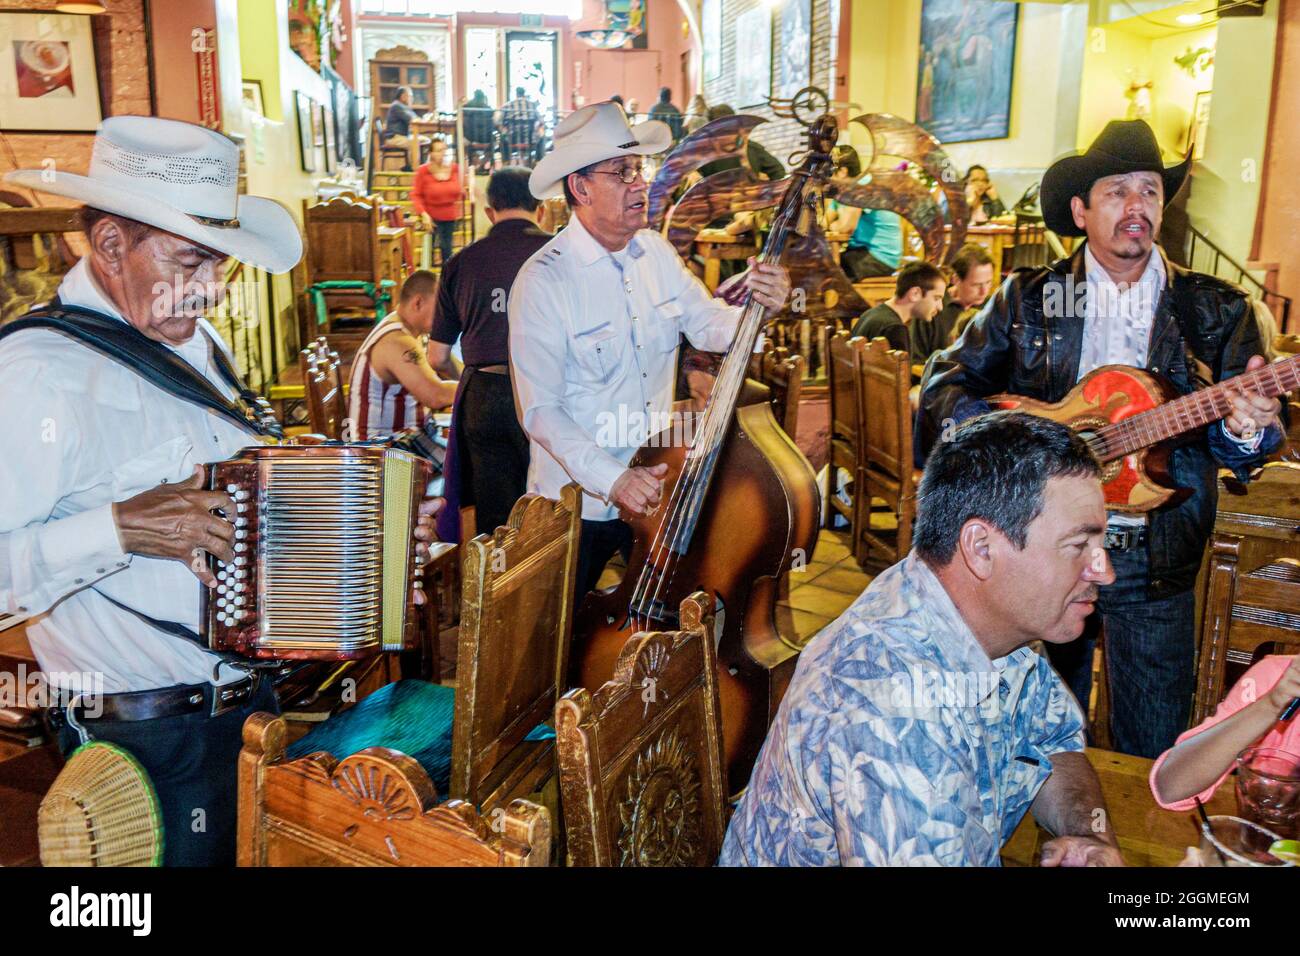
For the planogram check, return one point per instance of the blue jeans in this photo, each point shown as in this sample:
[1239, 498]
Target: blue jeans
[1150, 659]
[444, 232]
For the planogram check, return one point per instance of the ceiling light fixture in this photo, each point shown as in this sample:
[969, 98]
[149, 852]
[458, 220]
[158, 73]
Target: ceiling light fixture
[90, 9]
[1189, 19]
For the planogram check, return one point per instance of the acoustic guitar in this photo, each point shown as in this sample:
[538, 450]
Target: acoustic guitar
[1128, 416]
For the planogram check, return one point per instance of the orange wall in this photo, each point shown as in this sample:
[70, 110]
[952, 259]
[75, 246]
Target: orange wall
[1277, 228]
[176, 76]
[637, 73]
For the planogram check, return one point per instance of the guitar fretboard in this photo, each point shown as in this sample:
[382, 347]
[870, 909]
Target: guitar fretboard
[1191, 411]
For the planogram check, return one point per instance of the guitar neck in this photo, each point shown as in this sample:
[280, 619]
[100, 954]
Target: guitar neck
[1192, 411]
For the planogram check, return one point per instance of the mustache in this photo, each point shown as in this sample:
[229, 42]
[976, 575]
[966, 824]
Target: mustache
[1091, 594]
[1131, 219]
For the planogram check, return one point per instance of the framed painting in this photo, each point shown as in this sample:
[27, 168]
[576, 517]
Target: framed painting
[308, 123]
[964, 73]
[252, 92]
[1200, 123]
[48, 79]
[331, 147]
[792, 48]
[754, 64]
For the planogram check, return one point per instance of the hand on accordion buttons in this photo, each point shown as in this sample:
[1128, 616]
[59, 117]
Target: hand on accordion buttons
[425, 534]
[176, 521]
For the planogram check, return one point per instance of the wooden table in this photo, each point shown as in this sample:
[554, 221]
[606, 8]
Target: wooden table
[1148, 834]
[714, 245]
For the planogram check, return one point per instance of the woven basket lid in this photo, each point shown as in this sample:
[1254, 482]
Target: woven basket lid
[101, 811]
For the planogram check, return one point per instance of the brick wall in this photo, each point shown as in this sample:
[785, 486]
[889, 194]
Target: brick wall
[780, 136]
[122, 58]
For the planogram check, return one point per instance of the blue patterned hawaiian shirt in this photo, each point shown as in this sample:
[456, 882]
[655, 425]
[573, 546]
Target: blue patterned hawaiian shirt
[900, 742]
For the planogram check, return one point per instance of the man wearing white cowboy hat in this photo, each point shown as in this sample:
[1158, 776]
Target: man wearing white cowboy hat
[1118, 300]
[103, 519]
[595, 318]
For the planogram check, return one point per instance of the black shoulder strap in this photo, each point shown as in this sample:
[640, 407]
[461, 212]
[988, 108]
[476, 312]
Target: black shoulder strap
[155, 363]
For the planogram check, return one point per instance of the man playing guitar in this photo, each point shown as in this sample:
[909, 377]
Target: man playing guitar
[1118, 301]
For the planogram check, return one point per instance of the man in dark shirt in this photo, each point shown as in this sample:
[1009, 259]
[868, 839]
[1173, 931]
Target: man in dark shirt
[397, 127]
[918, 295]
[972, 284]
[666, 112]
[491, 448]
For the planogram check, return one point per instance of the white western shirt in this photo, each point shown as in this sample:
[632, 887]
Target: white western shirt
[593, 354]
[1117, 331]
[80, 432]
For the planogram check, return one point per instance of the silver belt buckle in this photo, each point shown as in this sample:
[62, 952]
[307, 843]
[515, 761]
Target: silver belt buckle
[227, 697]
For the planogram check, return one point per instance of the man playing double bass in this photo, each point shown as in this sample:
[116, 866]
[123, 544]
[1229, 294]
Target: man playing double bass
[595, 320]
[1119, 301]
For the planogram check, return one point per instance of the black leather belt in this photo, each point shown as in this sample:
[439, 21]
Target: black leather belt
[1126, 539]
[164, 702]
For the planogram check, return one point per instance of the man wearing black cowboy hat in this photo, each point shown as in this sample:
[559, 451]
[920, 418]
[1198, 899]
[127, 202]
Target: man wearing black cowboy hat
[1118, 300]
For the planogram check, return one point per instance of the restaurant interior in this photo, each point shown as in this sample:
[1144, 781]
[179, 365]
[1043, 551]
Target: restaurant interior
[944, 115]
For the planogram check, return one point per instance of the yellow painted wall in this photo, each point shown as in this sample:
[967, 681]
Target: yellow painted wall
[1175, 90]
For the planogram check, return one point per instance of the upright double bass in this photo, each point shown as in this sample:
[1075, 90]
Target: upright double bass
[739, 508]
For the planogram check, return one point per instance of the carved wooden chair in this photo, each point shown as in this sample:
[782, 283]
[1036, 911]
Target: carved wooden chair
[885, 468]
[376, 808]
[322, 381]
[844, 355]
[343, 260]
[484, 741]
[782, 373]
[1247, 615]
[641, 775]
[512, 660]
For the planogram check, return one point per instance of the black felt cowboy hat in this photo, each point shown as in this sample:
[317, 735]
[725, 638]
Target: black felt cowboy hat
[1124, 146]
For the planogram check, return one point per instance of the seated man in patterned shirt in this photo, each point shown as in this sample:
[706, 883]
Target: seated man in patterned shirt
[919, 726]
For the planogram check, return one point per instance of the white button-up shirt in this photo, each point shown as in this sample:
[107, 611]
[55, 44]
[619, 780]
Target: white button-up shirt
[593, 354]
[80, 432]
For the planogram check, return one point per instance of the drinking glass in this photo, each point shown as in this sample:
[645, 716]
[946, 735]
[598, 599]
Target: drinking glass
[1268, 789]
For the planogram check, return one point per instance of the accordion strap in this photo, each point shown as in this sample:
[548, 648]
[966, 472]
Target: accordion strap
[155, 363]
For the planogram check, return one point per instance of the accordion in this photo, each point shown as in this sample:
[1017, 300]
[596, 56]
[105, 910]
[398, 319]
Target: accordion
[325, 559]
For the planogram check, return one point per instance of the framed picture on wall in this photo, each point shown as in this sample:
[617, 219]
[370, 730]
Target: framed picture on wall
[964, 73]
[331, 148]
[1199, 125]
[754, 64]
[48, 78]
[792, 48]
[308, 121]
[253, 96]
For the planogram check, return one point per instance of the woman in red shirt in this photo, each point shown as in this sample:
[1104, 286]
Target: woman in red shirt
[436, 196]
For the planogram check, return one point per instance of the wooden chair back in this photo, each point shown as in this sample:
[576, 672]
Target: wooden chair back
[511, 666]
[843, 353]
[342, 239]
[783, 374]
[1247, 615]
[885, 468]
[1028, 244]
[376, 808]
[641, 777]
[322, 379]
[384, 152]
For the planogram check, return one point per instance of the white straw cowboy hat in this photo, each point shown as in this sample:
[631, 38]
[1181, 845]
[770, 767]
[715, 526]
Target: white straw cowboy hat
[591, 135]
[180, 178]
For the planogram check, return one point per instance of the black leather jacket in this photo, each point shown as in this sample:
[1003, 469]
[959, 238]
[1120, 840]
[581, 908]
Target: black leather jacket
[1204, 330]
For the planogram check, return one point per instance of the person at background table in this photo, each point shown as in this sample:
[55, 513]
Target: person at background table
[633, 111]
[520, 121]
[392, 384]
[920, 726]
[875, 244]
[476, 121]
[436, 195]
[970, 288]
[665, 112]
[1197, 764]
[762, 162]
[397, 128]
[903, 320]
[491, 448]
[697, 113]
[982, 196]
[1118, 301]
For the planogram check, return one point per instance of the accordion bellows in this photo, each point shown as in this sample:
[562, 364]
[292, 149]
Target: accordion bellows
[100, 811]
[324, 552]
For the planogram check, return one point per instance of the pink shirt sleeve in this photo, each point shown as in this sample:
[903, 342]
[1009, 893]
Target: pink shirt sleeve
[1254, 684]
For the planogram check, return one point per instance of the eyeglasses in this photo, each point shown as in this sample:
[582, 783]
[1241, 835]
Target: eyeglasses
[629, 174]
